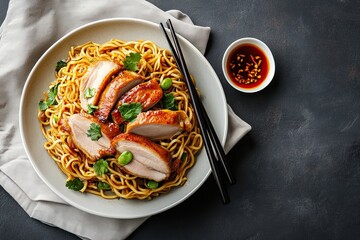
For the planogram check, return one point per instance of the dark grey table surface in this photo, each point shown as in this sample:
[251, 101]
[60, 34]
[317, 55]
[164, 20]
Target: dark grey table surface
[298, 170]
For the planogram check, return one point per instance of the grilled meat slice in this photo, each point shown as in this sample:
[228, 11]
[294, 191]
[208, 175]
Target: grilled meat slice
[148, 94]
[78, 126]
[150, 160]
[159, 124]
[95, 80]
[115, 89]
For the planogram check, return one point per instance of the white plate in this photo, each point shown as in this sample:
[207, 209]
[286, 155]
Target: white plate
[43, 73]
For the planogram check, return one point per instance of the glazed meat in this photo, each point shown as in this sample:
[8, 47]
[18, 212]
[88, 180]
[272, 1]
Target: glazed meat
[148, 94]
[159, 124]
[79, 124]
[150, 160]
[96, 79]
[115, 89]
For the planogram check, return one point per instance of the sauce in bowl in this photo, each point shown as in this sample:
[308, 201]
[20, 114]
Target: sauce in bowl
[247, 66]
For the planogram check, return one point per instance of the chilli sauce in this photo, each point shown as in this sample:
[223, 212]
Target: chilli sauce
[247, 66]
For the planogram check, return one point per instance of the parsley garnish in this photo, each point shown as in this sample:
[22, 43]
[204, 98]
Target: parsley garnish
[91, 108]
[183, 156]
[51, 98]
[131, 61]
[60, 64]
[129, 111]
[42, 105]
[169, 102]
[89, 92]
[94, 132]
[101, 167]
[76, 184]
[104, 186]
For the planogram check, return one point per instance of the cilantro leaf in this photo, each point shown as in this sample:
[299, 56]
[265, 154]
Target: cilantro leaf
[131, 61]
[60, 64]
[183, 156]
[89, 92]
[76, 184]
[101, 167]
[51, 98]
[54, 89]
[169, 102]
[91, 108]
[129, 111]
[104, 186]
[43, 106]
[94, 132]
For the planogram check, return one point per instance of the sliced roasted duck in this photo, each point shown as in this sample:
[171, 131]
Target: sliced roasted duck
[114, 90]
[150, 160]
[159, 124]
[95, 80]
[90, 135]
[148, 94]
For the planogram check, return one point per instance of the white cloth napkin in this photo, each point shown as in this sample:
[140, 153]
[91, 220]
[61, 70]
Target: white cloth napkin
[29, 29]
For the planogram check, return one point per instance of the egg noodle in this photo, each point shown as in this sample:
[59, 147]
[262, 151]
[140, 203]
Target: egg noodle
[155, 63]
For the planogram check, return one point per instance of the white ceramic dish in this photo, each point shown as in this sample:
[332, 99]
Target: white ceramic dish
[265, 49]
[42, 74]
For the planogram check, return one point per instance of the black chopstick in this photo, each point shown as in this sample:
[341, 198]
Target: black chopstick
[211, 140]
[216, 143]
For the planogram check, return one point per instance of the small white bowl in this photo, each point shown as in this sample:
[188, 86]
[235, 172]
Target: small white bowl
[270, 61]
